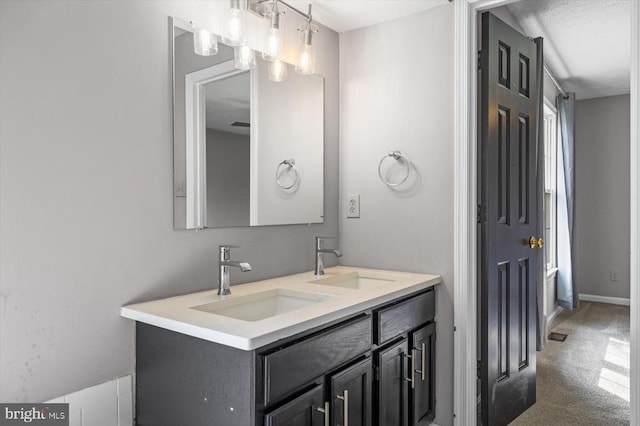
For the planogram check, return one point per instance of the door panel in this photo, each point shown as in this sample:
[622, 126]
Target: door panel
[392, 389]
[508, 218]
[351, 389]
[423, 391]
[302, 411]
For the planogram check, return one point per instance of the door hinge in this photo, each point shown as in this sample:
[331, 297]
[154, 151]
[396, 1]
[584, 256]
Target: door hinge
[478, 370]
[483, 59]
[481, 214]
[376, 372]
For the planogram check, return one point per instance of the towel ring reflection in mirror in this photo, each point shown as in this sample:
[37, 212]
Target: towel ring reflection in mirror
[290, 165]
[401, 158]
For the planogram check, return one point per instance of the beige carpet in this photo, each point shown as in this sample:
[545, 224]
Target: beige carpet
[585, 380]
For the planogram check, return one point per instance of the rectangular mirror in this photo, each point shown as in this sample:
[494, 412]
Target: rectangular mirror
[247, 151]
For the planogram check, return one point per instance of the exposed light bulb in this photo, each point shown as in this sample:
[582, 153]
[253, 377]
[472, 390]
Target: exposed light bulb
[274, 35]
[245, 58]
[235, 25]
[306, 65]
[277, 71]
[234, 29]
[273, 45]
[204, 43]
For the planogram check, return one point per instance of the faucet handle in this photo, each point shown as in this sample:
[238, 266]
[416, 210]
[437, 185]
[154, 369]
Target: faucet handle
[228, 246]
[224, 251]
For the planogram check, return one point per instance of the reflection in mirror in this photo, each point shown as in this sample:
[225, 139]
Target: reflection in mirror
[228, 151]
[247, 151]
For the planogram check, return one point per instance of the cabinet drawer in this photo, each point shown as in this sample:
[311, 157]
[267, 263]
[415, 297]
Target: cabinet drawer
[401, 317]
[293, 366]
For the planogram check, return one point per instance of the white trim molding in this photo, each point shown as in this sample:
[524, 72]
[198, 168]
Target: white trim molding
[465, 188]
[635, 214]
[196, 137]
[553, 316]
[464, 344]
[605, 299]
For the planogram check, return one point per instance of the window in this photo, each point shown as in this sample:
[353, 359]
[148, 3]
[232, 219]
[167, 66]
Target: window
[550, 184]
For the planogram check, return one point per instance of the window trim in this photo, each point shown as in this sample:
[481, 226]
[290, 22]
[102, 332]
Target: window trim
[549, 109]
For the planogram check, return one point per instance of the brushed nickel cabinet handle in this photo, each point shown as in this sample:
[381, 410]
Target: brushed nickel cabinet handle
[412, 380]
[345, 413]
[423, 360]
[325, 411]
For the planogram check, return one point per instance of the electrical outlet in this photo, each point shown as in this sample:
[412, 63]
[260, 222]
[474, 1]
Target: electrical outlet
[613, 276]
[353, 205]
[180, 188]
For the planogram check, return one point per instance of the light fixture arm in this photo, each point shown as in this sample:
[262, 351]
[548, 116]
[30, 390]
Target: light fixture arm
[275, 15]
[308, 29]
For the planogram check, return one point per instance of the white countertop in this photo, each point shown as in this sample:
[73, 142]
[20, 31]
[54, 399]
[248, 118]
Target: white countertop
[176, 313]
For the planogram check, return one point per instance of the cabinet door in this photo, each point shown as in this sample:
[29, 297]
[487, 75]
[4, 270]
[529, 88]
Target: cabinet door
[392, 386]
[422, 392]
[351, 395]
[306, 410]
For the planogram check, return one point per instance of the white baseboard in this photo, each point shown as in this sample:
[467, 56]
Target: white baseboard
[553, 316]
[605, 299]
[106, 404]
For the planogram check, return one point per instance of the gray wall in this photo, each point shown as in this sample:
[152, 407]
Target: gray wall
[228, 179]
[396, 93]
[602, 195]
[86, 189]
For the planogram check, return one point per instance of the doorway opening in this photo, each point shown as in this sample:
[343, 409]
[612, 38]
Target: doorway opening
[466, 292]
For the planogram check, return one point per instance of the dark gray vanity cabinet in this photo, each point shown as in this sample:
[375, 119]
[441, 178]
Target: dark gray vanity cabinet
[350, 395]
[355, 371]
[405, 384]
[392, 390]
[422, 393]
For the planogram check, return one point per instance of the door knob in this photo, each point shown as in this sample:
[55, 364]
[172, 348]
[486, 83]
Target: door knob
[535, 242]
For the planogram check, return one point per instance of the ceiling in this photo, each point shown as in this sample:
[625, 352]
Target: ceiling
[586, 42]
[228, 102]
[346, 15]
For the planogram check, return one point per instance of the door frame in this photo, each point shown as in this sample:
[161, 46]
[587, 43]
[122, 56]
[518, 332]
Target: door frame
[465, 202]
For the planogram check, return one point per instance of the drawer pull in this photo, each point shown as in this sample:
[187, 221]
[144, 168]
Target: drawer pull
[412, 357]
[325, 411]
[423, 359]
[345, 413]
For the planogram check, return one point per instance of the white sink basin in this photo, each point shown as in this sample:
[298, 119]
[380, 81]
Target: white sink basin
[265, 304]
[360, 279]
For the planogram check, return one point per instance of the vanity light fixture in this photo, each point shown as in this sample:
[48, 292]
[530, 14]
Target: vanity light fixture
[234, 33]
[307, 56]
[204, 42]
[277, 71]
[274, 34]
[245, 57]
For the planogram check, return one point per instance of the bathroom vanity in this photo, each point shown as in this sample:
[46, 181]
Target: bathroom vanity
[354, 347]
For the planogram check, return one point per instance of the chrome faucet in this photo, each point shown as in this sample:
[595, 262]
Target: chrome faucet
[224, 263]
[320, 251]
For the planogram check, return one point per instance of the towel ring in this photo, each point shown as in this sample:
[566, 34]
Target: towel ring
[279, 170]
[398, 156]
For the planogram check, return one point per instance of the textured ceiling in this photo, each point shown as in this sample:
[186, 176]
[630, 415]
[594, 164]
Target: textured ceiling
[586, 42]
[228, 102]
[345, 15]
